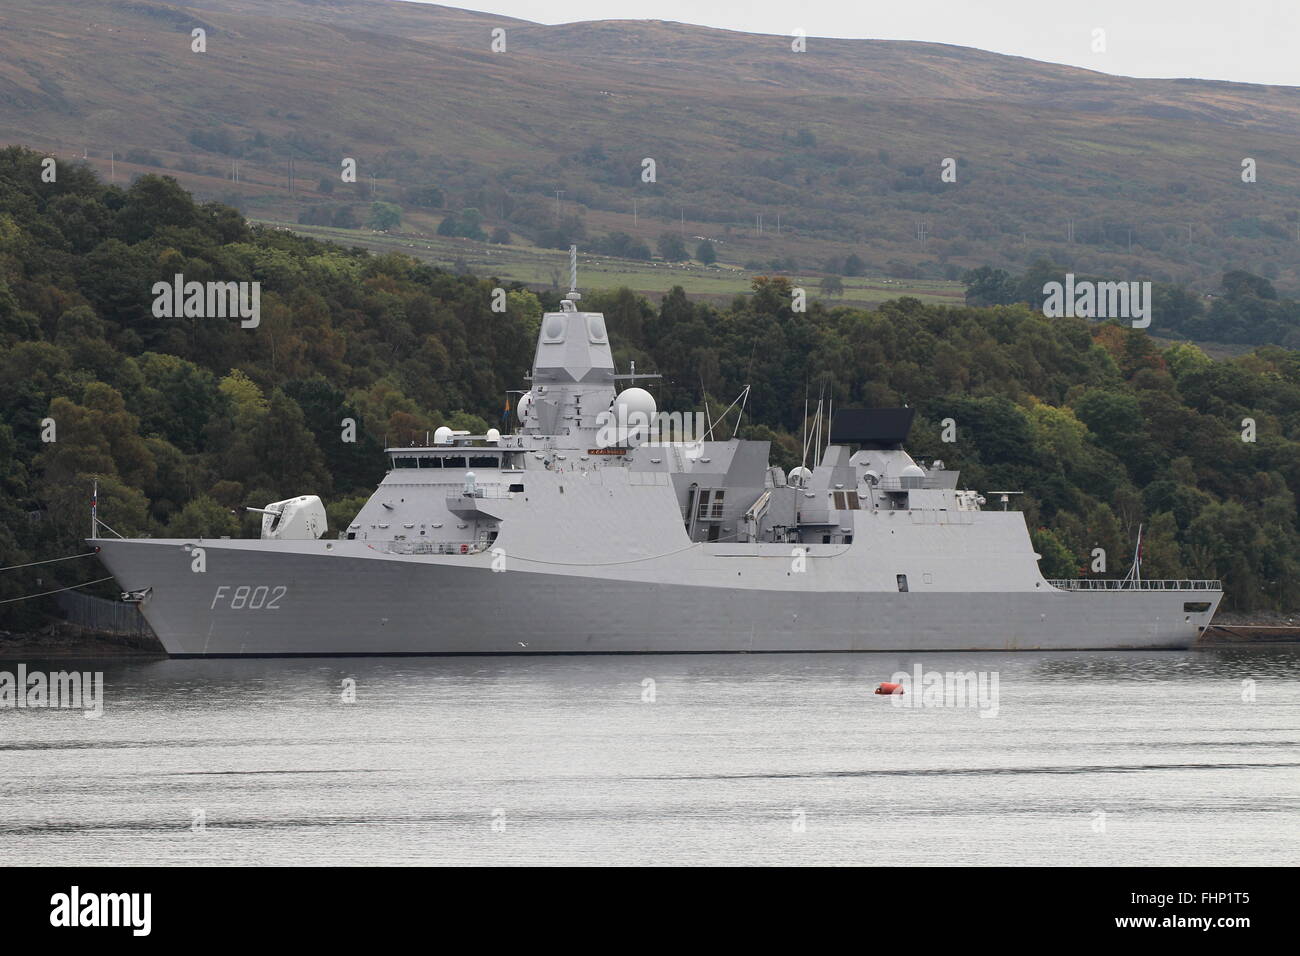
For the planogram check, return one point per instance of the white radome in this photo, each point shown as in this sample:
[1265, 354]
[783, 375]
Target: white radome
[525, 406]
[442, 436]
[633, 401]
[634, 412]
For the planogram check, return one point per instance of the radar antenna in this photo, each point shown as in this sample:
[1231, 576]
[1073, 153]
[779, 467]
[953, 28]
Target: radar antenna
[1005, 496]
[574, 295]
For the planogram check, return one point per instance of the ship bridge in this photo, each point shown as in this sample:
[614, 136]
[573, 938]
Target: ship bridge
[459, 458]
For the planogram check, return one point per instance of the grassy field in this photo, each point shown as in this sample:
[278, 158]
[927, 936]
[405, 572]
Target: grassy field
[549, 268]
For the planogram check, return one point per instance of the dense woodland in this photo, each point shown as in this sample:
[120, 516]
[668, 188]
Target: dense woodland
[1245, 310]
[182, 420]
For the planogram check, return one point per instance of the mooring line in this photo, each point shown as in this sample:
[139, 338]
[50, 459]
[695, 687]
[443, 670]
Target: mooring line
[71, 587]
[15, 567]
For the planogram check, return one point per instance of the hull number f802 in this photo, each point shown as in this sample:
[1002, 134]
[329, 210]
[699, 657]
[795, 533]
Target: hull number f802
[246, 597]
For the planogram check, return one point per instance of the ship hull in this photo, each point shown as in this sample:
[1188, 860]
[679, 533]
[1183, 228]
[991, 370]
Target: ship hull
[351, 600]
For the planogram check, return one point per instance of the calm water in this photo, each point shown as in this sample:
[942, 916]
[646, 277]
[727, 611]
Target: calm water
[560, 760]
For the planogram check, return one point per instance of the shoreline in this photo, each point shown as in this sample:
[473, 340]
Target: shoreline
[70, 641]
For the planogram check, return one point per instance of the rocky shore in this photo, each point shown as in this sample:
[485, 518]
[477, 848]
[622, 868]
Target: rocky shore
[68, 640]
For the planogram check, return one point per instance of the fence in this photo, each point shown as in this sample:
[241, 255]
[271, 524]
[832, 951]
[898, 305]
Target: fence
[103, 616]
[1117, 584]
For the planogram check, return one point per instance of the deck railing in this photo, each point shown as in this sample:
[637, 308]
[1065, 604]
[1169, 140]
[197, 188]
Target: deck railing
[1116, 584]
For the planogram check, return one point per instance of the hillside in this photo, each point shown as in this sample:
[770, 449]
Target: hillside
[843, 143]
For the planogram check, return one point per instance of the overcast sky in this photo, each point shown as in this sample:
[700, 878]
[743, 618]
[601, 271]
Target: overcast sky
[1255, 41]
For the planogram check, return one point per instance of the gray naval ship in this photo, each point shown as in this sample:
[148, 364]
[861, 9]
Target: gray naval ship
[584, 530]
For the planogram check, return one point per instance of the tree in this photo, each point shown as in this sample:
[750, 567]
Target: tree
[832, 286]
[202, 517]
[152, 203]
[623, 245]
[286, 451]
[987, 286]
[466, 224]
[1161, 555]
[423, 197]
[1114, 418]
[671, 248]
[705, 253]
[1056, 561]
[384, 216]
[1239, 282]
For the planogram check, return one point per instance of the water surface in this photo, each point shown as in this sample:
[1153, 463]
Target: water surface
[1093, 758]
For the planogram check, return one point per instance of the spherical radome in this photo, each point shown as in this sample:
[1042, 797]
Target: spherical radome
[632, 401]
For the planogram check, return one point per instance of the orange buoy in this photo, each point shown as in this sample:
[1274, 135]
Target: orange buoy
[888, 688]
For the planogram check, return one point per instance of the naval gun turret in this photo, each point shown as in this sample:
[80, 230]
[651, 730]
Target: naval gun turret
[301, 518]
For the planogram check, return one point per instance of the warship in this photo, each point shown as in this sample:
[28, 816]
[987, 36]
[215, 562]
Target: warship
[589, 528]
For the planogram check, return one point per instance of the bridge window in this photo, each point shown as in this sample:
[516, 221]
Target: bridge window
[484, 461]
[711, 509]
[404, 462]
[431, 462]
